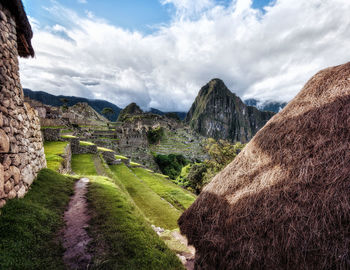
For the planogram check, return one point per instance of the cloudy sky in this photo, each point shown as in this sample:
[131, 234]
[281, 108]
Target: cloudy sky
[158, 53]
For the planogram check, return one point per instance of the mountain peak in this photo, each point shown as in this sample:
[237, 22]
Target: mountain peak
[220, 114]
[131, 109]
[215, 87]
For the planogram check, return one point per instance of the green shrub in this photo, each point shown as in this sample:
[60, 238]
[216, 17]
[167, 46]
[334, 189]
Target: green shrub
[155, 135]
[171, 165]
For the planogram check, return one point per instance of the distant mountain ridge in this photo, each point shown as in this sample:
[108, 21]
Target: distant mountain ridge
[181, 115]
[52, 100]
[97, 104]
[220, 114]
[271, 106]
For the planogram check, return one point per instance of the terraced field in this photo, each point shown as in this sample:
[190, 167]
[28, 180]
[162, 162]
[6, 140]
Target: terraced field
[123, 205]
[180, 142]
[177, 196]
[156, 209]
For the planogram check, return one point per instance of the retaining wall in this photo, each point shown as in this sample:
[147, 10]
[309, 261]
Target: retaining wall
[21, 146]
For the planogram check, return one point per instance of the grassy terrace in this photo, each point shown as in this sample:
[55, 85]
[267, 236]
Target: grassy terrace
[84, 143]
[53, 150]
[120, 157]
[83, 164]
[119, 226]
[128, 241]
[174, 194]
[158, 211]
[68, 136]
[29, 226]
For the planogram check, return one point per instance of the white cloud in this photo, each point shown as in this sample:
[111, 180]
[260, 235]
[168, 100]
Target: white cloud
[266, 55]
[82, 1]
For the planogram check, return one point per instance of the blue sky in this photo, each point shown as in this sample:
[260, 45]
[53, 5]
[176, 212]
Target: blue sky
[159, 53]
[139, 15]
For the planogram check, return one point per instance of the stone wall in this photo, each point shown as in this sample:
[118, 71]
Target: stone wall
[67, 160]
[110, 159]
[82, 149]
[52, 134]
[21, 146]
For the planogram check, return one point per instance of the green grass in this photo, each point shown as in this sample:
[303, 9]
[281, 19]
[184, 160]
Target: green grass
[134, 164]
[68, 136]
[120, 157]
[83, 164]
[29, 226]
[158, 211]
[162, 175]
[173, 243]
[104, 149]
[128, 241]
[53, 150]
[174, 194]
[84, 143]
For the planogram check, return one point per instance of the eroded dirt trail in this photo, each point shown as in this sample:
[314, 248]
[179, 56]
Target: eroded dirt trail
[75, 236]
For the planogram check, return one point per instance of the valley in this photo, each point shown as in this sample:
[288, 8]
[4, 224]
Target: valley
[125, 187]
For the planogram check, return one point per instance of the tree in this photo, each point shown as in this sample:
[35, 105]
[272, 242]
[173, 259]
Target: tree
[195, 177]
[154, 135]
[221, 153]
[65, 104]
[107, 112]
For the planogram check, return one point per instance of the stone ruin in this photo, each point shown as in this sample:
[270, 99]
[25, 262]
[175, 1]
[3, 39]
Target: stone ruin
[21, 145]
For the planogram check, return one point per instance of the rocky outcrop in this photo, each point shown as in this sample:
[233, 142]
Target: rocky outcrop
[220, 114]
[21, 146]
[129, 111]
[79, 114]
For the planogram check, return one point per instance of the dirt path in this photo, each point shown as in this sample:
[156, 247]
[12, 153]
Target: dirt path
[75, 236]
[189, 264]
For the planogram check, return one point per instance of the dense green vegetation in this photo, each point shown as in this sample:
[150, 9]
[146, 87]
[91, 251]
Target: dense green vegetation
[29, 226]
[83, 164]
[154, 135]
[174, 194]
[128, 241]
[53, 152]
[158, 211]
[171, 165]
[221, 153]
[195, 176]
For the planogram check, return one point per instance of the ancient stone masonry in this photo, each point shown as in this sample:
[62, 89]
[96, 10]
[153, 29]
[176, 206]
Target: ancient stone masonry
[82, 149]
[67, 160]
[110, 159]
[51, 134]
[21, 146]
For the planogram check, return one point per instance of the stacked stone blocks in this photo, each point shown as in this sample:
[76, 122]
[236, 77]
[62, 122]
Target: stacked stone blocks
[21, 146]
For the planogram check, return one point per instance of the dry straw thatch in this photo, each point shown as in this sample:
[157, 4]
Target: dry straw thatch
[24, 30]
[284, 202]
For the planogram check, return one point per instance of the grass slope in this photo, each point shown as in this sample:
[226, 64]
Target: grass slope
[29, 226]
[174, 194]
[83, 164]
[53, 150]
[157, 210]
[122, 238]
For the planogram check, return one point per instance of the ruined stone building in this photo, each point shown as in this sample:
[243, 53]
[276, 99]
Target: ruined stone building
[21, 146]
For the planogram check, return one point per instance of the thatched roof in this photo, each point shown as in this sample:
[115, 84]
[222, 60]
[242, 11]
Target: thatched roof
[24, 30]
[284, 202]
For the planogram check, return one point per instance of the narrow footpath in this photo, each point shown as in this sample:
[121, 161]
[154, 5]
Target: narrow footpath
[76, 239]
